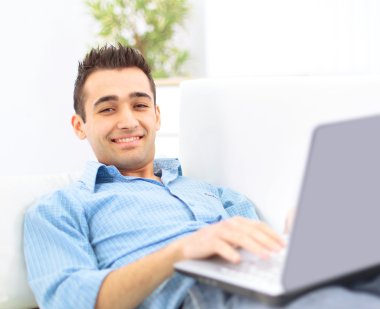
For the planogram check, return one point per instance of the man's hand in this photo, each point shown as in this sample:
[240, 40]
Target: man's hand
[225, 237]
[127, 286]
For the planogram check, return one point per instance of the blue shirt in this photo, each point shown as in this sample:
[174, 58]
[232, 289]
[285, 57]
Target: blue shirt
[75, 236]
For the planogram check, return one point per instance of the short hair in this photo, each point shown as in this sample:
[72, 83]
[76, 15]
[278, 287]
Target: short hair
[108, 57]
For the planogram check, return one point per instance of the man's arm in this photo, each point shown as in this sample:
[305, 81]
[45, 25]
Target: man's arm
[61, 263]
[63, 270]
[130, 285]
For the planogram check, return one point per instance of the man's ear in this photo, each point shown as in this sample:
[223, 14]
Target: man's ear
[78, 126]
[158, 118]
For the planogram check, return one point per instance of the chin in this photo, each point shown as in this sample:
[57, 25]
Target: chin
[131, 164]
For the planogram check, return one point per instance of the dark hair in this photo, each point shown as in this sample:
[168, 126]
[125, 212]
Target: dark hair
[108, 57]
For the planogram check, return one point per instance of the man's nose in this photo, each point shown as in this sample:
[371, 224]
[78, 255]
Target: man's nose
[127, 120]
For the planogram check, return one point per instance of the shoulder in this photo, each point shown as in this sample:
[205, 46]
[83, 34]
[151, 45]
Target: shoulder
[58, 202]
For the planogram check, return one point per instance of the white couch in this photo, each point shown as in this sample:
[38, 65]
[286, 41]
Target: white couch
[16, 195]
[250, 134]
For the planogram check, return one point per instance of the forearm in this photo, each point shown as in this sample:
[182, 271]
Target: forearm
[128, 286]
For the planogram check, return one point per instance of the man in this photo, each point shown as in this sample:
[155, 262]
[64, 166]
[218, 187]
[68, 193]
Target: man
[111, 239]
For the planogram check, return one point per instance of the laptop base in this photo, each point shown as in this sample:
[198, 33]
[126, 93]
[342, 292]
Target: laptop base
[288, 296]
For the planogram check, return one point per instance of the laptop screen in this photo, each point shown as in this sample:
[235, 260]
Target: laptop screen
[337, 224]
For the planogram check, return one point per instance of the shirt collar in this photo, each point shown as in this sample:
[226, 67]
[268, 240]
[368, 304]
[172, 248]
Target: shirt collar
[95, 170]
[167, 169]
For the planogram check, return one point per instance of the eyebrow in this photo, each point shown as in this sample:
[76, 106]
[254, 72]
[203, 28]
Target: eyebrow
[139, 94]
[136, 94]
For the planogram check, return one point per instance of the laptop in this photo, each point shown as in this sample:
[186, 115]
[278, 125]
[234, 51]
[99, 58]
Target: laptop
[336, 230]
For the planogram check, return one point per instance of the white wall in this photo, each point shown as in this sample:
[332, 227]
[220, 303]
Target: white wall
[292, 37]
[42, 42]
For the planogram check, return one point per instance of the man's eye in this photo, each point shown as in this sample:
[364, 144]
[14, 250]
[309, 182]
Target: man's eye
[141, 106]
[106, 110]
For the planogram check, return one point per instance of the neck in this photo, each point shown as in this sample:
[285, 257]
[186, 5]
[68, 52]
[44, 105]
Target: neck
[144, 172]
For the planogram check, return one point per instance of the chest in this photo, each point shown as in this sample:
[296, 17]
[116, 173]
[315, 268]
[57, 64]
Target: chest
[119, 207]
[128, 221]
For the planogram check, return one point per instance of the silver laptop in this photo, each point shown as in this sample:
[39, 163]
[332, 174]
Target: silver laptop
[337, 226]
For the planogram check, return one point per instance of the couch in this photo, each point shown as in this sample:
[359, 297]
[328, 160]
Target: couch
[251, 134]
[17, 193]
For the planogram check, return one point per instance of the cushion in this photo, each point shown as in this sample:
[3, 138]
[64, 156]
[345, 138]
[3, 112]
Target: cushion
[16, 195]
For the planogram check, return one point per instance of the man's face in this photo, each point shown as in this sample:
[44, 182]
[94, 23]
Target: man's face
[121, 118]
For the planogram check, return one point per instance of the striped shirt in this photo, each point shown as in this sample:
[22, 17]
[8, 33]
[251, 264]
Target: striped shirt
[75, 236]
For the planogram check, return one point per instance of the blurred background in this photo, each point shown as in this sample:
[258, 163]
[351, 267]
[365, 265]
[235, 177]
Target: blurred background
[43, 40]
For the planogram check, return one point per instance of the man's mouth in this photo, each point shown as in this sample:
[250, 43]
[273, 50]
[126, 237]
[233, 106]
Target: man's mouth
[126, 139]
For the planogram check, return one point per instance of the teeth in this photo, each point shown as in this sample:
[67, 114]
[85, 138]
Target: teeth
[127, 140]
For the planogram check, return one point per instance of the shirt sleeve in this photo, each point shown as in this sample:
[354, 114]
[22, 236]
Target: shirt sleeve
[236, 204]
[61, 264]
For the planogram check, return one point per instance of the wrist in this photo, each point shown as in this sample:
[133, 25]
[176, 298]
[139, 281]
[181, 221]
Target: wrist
[176, 251]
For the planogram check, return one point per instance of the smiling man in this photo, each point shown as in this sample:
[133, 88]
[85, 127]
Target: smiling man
[110, 240]
[120, 119]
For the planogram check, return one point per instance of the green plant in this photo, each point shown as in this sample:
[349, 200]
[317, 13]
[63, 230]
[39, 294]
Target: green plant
[148, 25]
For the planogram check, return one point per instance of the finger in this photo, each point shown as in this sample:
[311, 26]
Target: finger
[271, 234]
[226, 251]
[265, 240]
[243, 240]
[253, 236]
[250, 227]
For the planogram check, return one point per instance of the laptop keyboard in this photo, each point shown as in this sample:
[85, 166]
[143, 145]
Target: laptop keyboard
[251, 268]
